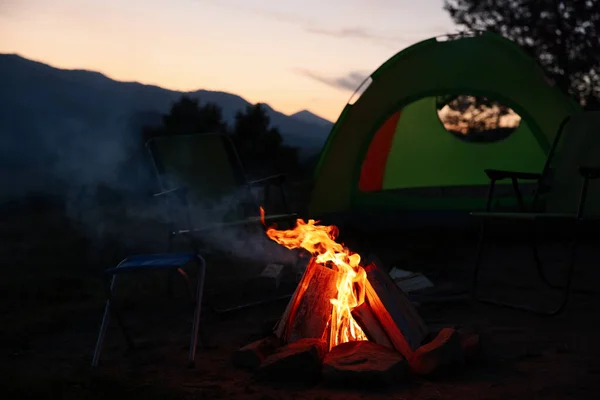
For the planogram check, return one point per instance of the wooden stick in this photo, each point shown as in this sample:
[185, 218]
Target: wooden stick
[388, 324]
[311, 316]
[376, 265]
[385, 284]
[290, 310]
[395, 312]
[365, 318]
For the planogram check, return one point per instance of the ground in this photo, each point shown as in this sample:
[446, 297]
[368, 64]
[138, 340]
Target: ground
[51, 312]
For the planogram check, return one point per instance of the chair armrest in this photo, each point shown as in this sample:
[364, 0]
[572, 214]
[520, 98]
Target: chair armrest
[495, 175]
[176, 190]
[590, 172]
[277, 179]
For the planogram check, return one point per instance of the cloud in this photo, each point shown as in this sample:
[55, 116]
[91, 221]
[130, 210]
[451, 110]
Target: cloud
[354, 33]
[391, 41]
[281, 16]
[309, 25]
[244, 7]
[350, 82]
[357, 33]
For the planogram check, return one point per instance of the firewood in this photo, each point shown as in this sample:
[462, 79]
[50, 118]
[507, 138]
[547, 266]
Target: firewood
[295, 300]
[364, 317]
[374, 272]
[251, 355]
[311, 316]
[442, 354]
[398, 317]
[470, 344]
[309, 310]
[297, 361]
[359, 363]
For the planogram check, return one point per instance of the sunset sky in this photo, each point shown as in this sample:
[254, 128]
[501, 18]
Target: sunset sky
[293, 55]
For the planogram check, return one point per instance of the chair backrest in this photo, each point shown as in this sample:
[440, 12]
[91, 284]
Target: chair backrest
[578, 144]
[207, 164]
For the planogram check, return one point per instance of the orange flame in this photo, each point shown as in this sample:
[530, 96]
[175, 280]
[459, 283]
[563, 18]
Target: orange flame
[319, 240]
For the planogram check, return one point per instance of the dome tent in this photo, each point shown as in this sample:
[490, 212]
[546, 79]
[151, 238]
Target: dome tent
[389, 150]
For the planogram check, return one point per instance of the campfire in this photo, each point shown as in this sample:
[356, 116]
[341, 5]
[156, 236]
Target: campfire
[348, 316]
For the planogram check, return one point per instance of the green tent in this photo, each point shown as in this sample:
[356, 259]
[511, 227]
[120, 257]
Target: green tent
[390, 151]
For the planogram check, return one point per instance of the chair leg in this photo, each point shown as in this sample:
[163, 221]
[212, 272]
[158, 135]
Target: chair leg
[570, 272]
[170, 273]
[187, 283]
[101, 334]
[566, 289]
[539, 265]
[478, 260]
[284, 200]
[108, 310]
[197, 309]
[170, 279]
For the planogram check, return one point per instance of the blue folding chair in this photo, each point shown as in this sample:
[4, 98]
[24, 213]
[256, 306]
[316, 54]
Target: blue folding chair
[202, 169]
[138, 263]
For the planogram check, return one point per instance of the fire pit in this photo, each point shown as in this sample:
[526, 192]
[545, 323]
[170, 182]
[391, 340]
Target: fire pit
[348, 319]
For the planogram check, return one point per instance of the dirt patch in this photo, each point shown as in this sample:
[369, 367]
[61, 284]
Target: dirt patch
[51, 317]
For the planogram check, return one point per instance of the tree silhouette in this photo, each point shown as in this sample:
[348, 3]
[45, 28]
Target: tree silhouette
[475, 118]
[187, 116]
[472, 114]
[561, 35]
[257, 142]
[251, 123]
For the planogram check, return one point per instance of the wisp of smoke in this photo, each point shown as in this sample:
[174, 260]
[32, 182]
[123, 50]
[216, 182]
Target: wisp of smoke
[243, 241]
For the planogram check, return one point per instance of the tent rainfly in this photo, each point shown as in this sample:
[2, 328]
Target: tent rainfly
[389, 149]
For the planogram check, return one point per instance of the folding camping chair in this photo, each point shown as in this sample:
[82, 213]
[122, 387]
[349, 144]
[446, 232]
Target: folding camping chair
[562, 189]
[202, 169]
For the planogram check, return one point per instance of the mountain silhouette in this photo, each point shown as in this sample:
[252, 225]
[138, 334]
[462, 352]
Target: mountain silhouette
[78, 125]
[307, 116]
[28, 86]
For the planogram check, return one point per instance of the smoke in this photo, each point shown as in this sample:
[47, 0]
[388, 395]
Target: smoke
[227, 228]
[91, 170]
[115, 203]
[96, 167]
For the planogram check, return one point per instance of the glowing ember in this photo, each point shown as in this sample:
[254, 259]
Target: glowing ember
[320, 241]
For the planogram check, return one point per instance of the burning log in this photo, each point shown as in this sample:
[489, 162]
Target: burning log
[366, 319]
[396, 314]
[251, 355]
[353, 321]
[362, 362]
[297, 361]
[295, 300]
[309, 311]
[443, 354]
[327, 296]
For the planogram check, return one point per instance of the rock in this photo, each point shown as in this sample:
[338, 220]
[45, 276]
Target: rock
[364, 362]
[251, 355]
[298, 361]
[270, 277]
[440, 355]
